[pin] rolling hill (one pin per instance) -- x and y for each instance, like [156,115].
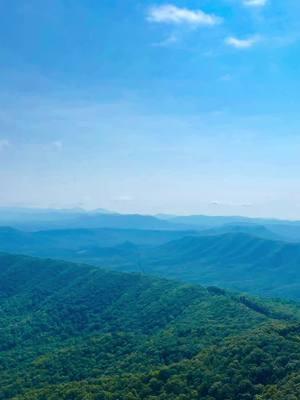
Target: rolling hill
[282,229]
[236,260]
[77,332]
[35,219]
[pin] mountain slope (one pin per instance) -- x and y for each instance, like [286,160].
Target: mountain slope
[259,231]
[262,365]
[75,332]
[283,229]
[54,242]
[236,261]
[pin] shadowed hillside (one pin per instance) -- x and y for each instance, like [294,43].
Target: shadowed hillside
[235,260]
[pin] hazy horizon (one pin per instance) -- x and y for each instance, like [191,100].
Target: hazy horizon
[100,210]
[154,107]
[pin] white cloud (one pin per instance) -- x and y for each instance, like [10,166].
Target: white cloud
[171,14]
[255,3]
[3,144]
[242,43]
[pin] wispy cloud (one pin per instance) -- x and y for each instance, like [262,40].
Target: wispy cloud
[170,14]
[171,39]
[4,143]
[57,145]
[242,43]
[255,3]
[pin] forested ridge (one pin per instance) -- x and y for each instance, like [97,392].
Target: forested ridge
[72,331]
[236,261]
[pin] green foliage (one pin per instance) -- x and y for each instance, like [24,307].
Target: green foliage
[235,260]
[73,332]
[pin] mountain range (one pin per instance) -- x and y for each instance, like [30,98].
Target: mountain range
[77,332]
[35,219]
[32,219]
[164,310]
[233,260]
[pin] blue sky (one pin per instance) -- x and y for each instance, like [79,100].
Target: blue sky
[150,107]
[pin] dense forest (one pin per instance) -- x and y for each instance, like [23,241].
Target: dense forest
[230,259]
[73,332]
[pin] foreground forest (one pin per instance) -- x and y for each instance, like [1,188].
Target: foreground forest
[74,332]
